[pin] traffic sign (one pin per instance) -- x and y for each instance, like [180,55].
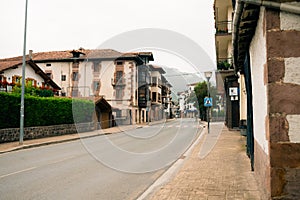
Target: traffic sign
[207,101]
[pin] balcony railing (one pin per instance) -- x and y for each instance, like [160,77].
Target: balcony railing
[156,85]
[118,82]
[224,64]
[223,27]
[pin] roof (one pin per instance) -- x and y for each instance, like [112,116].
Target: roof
[245,29]
[9,64]
[102,103]
[157,68]
[70,55]
[46,78]
[192,84]
[14,64]
[165,81]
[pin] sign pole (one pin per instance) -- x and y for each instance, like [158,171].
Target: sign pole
[208,75]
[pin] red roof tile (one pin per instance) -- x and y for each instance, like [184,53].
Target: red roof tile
[63,55]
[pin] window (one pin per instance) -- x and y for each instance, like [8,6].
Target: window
[75,65]
[75,76]
[154,81]
[118,113]
[119,63]
[159,82]
[49,74]
[96,85]
[30,81]
[74,93]
[63,77]
[154,96]
[18,79]
[48,65]
[142,76]
[97,67]
[119,94]
[119,75]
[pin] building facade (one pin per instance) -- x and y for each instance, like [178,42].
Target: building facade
[119,82]
[11,75]
[226,78]
[107,74]
[157,111]
[266,38]
[186,103]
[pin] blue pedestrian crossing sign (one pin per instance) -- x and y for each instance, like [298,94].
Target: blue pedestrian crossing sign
[207,101]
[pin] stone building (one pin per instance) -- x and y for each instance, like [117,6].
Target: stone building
[266,51]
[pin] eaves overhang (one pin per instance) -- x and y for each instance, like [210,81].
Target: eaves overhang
[245,21]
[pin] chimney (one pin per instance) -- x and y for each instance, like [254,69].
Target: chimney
[30,54]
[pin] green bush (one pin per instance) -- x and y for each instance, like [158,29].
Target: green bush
[43,111]
[224,65]
[33,91]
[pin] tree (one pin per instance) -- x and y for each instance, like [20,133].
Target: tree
[201,91]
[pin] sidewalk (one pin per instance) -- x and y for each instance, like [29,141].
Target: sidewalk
[221,173]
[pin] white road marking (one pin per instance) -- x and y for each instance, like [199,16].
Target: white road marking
[17,172]
[63,159]
[32,168]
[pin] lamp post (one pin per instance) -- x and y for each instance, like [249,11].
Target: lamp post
[208,76]
[23,80]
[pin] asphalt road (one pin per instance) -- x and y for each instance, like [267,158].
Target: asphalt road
[116,166]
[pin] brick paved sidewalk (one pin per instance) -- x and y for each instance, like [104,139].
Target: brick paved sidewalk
[222,173]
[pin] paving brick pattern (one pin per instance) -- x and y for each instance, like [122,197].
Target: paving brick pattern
[225,172]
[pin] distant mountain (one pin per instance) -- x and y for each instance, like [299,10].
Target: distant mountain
[179,80]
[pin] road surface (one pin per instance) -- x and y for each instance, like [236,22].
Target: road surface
[116,166]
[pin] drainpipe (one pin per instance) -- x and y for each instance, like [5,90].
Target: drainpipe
[236,23]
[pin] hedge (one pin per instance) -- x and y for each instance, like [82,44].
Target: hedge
[43,111]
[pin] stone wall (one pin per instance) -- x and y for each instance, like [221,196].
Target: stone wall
[12,134]
[282,123]
[262,168]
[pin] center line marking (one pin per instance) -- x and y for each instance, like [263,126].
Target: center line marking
[31,168]
[17,172]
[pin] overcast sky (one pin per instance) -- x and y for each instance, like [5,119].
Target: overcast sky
[70,24]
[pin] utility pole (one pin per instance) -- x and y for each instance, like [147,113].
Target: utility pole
[23,80]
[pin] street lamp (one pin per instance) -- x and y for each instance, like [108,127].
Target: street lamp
[208,76]
[23,80]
